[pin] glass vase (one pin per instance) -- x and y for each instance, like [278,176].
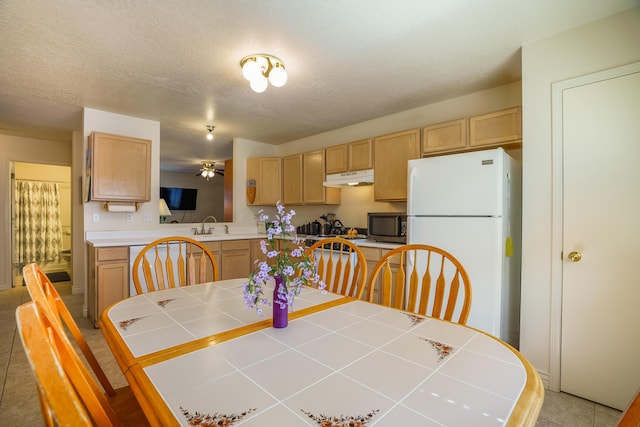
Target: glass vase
[280,312]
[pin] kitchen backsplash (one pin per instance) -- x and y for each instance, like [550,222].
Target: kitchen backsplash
[356,202]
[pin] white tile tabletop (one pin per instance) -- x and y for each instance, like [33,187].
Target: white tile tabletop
[355,361]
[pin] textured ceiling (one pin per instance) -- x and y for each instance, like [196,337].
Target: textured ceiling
[177,62]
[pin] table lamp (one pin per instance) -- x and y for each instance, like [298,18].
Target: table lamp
[164,211]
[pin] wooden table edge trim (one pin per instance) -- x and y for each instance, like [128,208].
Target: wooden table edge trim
[200,343]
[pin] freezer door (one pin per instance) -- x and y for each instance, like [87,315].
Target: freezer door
[478,244]
[467,184]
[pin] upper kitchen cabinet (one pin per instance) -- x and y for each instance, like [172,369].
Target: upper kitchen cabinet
[313,172]
[361,155]
[500,128]
[448,136]
[264,180]
[303,177]
[120,168]
[292,187]
[337,158]
[354,156]
[393,151]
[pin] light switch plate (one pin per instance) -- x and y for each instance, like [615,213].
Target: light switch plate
[147,217]
[129,217]
[96,217]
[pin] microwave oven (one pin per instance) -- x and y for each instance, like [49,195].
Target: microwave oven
[387,226]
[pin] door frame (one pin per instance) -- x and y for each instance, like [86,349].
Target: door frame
[557,211]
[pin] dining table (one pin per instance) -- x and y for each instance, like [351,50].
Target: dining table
[198,356]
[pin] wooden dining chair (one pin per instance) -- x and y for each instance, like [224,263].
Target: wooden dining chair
[341,265]
[44,292]
[69,396]
[177,261]
[631,415]
[433,283]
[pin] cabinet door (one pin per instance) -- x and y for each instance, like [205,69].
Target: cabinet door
[360,155]
[264,180]
[390,163]
[444,137]
[112,284]
[313,172]
[120,168]
[235,259]
[235,264]
[336,158]
[498,128]
[292,180]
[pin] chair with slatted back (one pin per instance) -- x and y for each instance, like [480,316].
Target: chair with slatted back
[432,286]
[44,292]
[171,262]
[631,415]
[341,265]
[68,393]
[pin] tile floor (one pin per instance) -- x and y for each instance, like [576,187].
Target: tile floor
[19,402]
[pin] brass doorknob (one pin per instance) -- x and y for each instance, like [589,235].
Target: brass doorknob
[574,256]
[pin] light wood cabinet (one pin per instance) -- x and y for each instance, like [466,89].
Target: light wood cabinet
[354,156]
[446,136]
[392,152]
[303,177]
[500,128]
[313,177]
[361,155]
[108,279]
[264,180]
[337,158]
[235,259]
[214,247]
[120,168]
[373,255]
[292,185]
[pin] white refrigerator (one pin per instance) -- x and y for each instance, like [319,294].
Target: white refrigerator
[470,205]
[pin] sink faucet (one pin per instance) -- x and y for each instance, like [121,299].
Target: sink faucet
[209,229]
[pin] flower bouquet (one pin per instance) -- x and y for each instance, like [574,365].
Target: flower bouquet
[286,264]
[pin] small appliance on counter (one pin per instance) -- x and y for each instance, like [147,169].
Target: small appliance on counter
[387,226]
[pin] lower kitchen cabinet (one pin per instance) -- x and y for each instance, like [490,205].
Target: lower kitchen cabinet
[108,278]
[373,255]
[235,259]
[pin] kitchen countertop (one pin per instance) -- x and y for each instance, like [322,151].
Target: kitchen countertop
[138,238]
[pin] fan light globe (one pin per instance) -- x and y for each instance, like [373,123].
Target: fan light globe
[210,136]
[278,76]
[204,174]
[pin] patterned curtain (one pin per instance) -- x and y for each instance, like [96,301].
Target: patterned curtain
[38,223]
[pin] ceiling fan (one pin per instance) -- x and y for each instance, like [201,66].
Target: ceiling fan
[208,170]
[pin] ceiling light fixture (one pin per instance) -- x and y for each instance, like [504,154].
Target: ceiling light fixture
[210,134]
[207,171]
[259,67]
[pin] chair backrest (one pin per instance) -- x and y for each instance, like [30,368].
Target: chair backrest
[177,261]
[44,293]
[68,393]
[422,279]
[341,265]
[631,415]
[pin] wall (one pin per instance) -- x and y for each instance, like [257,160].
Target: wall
[102,121]
[357,201]
[210,196]
[598,46]
[21,149]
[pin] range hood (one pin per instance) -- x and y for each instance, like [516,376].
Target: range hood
[363,177]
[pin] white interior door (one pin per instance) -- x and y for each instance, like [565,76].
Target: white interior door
[600,342]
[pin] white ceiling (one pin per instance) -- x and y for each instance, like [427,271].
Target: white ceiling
[177,62]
